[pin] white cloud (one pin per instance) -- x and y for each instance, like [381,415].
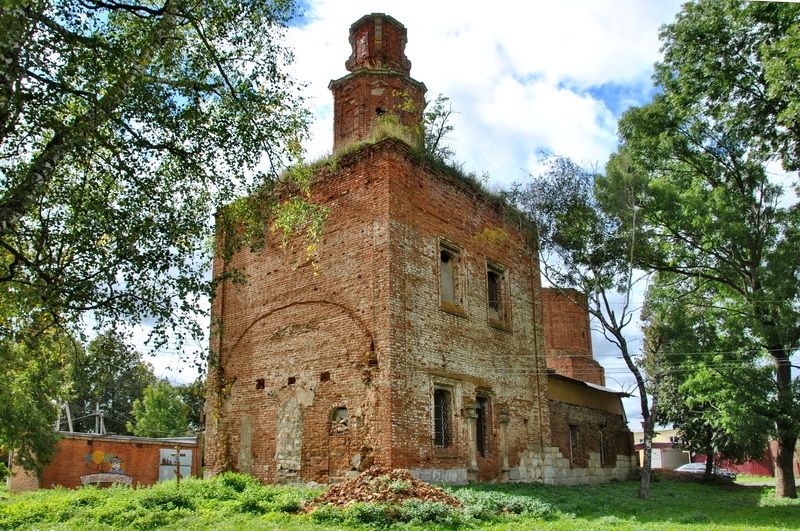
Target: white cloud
[522,76]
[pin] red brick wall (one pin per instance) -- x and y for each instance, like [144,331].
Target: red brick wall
[432,346]
[378,42]
[589,423]
[286,322]
[358,97]
[568,337]
[140,459]
[379,85]
[566,322]
[371,319]
[367,330]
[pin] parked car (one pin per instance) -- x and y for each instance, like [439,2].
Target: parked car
[700,468]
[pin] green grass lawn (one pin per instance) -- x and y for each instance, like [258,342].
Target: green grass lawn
[744,479]
[239,502]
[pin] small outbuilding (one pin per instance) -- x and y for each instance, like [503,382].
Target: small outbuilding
[87,458]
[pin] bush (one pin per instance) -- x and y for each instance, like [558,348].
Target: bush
[385,514]
[166,497]
[328,514]
[236,482]
[374,514]
[487,505]
[421,511]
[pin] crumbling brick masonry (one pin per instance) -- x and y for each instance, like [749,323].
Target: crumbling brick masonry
[419,344]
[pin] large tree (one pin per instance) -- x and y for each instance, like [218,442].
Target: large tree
[33,379]
[160,412]
[698,160]
[580,246]
[124,126]
[714,387]
[111,375]
[194,396]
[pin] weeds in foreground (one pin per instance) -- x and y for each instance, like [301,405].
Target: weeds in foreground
[233,501]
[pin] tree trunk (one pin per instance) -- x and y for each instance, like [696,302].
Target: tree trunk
[709,464]
[786,430]
[648,413]
[709,471]
[647,463]
[785,426]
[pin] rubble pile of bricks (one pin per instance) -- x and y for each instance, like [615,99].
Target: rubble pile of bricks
[383,485]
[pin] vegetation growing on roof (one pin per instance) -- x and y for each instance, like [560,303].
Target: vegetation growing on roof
[389,127]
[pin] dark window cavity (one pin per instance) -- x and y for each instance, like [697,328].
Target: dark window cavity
[442,437]
[339,419]
[497,293]
[573,443]
[481,425]
[603,449]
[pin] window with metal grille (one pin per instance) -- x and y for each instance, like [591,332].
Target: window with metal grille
[442,437]
[495,293]
[481,432]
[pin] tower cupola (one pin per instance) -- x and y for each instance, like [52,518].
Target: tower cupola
[379,86]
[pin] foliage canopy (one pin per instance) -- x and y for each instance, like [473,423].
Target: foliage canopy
[110,374]
[124,127]
[160,412]
[697,162]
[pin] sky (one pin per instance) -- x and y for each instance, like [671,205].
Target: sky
[523,78]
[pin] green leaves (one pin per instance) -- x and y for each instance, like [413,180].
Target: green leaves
[111,374]
[715,383]
[123,129]
[32,381]
[698,157]
[160,413]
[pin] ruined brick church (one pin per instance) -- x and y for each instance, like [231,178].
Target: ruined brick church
[425,340]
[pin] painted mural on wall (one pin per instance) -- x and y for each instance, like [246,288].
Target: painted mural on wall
[106,468]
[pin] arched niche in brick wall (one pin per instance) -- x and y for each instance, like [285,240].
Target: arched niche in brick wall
[292,366]
[298,318]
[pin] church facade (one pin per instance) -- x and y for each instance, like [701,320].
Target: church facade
[418,340]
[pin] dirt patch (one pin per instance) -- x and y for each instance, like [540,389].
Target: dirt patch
[383,485]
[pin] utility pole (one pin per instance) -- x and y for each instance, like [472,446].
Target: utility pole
[62,405]
[99,421]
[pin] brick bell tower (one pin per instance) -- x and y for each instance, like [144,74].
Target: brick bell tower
[378,84]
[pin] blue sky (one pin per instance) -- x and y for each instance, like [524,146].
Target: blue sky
[523,77]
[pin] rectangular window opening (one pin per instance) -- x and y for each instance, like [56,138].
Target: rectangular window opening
[497,298]
[450,282]
[442,433]
[573,443]
[603,449]
[481,425]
